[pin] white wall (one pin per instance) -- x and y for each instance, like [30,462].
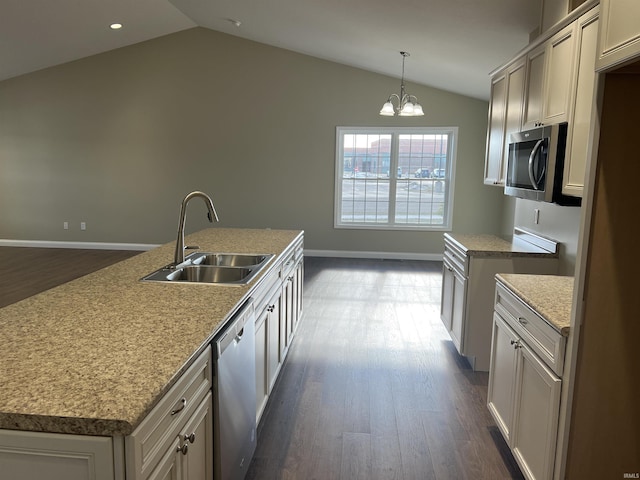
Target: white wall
[558,223]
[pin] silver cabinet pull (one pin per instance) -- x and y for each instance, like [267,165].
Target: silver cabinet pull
[522,320]
[189,438]
[180,407]
[183,449]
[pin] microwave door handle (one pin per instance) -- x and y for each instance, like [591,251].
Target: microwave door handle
[532,176]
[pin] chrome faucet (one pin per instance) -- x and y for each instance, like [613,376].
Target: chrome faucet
[211,214]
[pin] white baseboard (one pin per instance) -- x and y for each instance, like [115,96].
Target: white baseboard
[374,255]
[78,245]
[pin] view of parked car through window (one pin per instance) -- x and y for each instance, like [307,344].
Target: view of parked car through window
[417,196]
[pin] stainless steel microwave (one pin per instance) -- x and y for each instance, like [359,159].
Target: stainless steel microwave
[535,165]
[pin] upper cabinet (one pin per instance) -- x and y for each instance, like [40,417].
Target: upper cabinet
[619,39]
[551,82]
[550,79]
[532,112]
[580,122]
[493,169]
[505,118]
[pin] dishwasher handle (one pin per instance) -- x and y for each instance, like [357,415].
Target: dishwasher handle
[234,331]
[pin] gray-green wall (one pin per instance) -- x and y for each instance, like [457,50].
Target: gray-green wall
[117,139]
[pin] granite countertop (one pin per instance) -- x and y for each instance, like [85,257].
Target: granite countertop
[551,296]
[94,356]
[493,245]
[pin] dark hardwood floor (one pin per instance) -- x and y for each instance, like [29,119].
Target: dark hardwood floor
[25,271]
[373,388]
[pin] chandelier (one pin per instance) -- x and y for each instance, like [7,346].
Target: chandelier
[408,105]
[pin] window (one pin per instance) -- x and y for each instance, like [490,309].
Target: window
[395,178]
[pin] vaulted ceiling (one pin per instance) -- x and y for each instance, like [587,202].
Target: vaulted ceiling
[454,44]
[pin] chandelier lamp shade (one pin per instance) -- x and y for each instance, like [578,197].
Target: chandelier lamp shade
[407,105]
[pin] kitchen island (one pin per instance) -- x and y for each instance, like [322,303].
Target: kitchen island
[94,356]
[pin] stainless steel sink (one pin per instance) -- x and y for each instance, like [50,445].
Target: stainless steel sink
[212,268]
[227,259]
[209,274]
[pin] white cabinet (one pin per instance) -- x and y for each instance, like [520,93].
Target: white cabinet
[558,76]
[268,358]
[453,305]
[524,390]
[535,415]
[292,271]
[552,82]
[502,375]
[578,137]
[467,294]
[505,118]
[275,327]
[188,456]
[262,379]
[550,69]
[532,108]
[36,455]
[279,308]
[619,39]
[176,437]
[493,165]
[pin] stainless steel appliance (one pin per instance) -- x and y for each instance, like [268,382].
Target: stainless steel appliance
[235,396]
[535,165]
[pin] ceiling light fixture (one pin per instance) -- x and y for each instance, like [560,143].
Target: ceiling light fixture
[115,26]
[408,105]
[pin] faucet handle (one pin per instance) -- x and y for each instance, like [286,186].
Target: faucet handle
[192,247]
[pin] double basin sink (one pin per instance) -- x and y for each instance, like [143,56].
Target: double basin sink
[212,268]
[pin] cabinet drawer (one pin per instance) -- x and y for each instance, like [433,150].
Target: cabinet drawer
[541,337]
[456,258]
[146,445]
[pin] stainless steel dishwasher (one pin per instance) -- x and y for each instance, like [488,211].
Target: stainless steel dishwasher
[234,389]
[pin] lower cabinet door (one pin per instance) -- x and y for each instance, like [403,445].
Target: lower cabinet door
[502,375]
[275,338]
[196,443]
[537,405]
[459,311]
[262,378]
[446,307]
[168,468]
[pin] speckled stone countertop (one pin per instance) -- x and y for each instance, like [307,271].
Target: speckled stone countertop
[551,296]
[494,246]
[94,356]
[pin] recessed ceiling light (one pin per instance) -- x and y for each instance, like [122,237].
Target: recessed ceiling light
[115,26]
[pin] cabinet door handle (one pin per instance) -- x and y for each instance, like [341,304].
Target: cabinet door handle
[522,320]
[180,407]
[189,438]
[183,449]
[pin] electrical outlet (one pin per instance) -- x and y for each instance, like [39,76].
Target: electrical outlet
[83,226]
[65,225]
[536,216]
